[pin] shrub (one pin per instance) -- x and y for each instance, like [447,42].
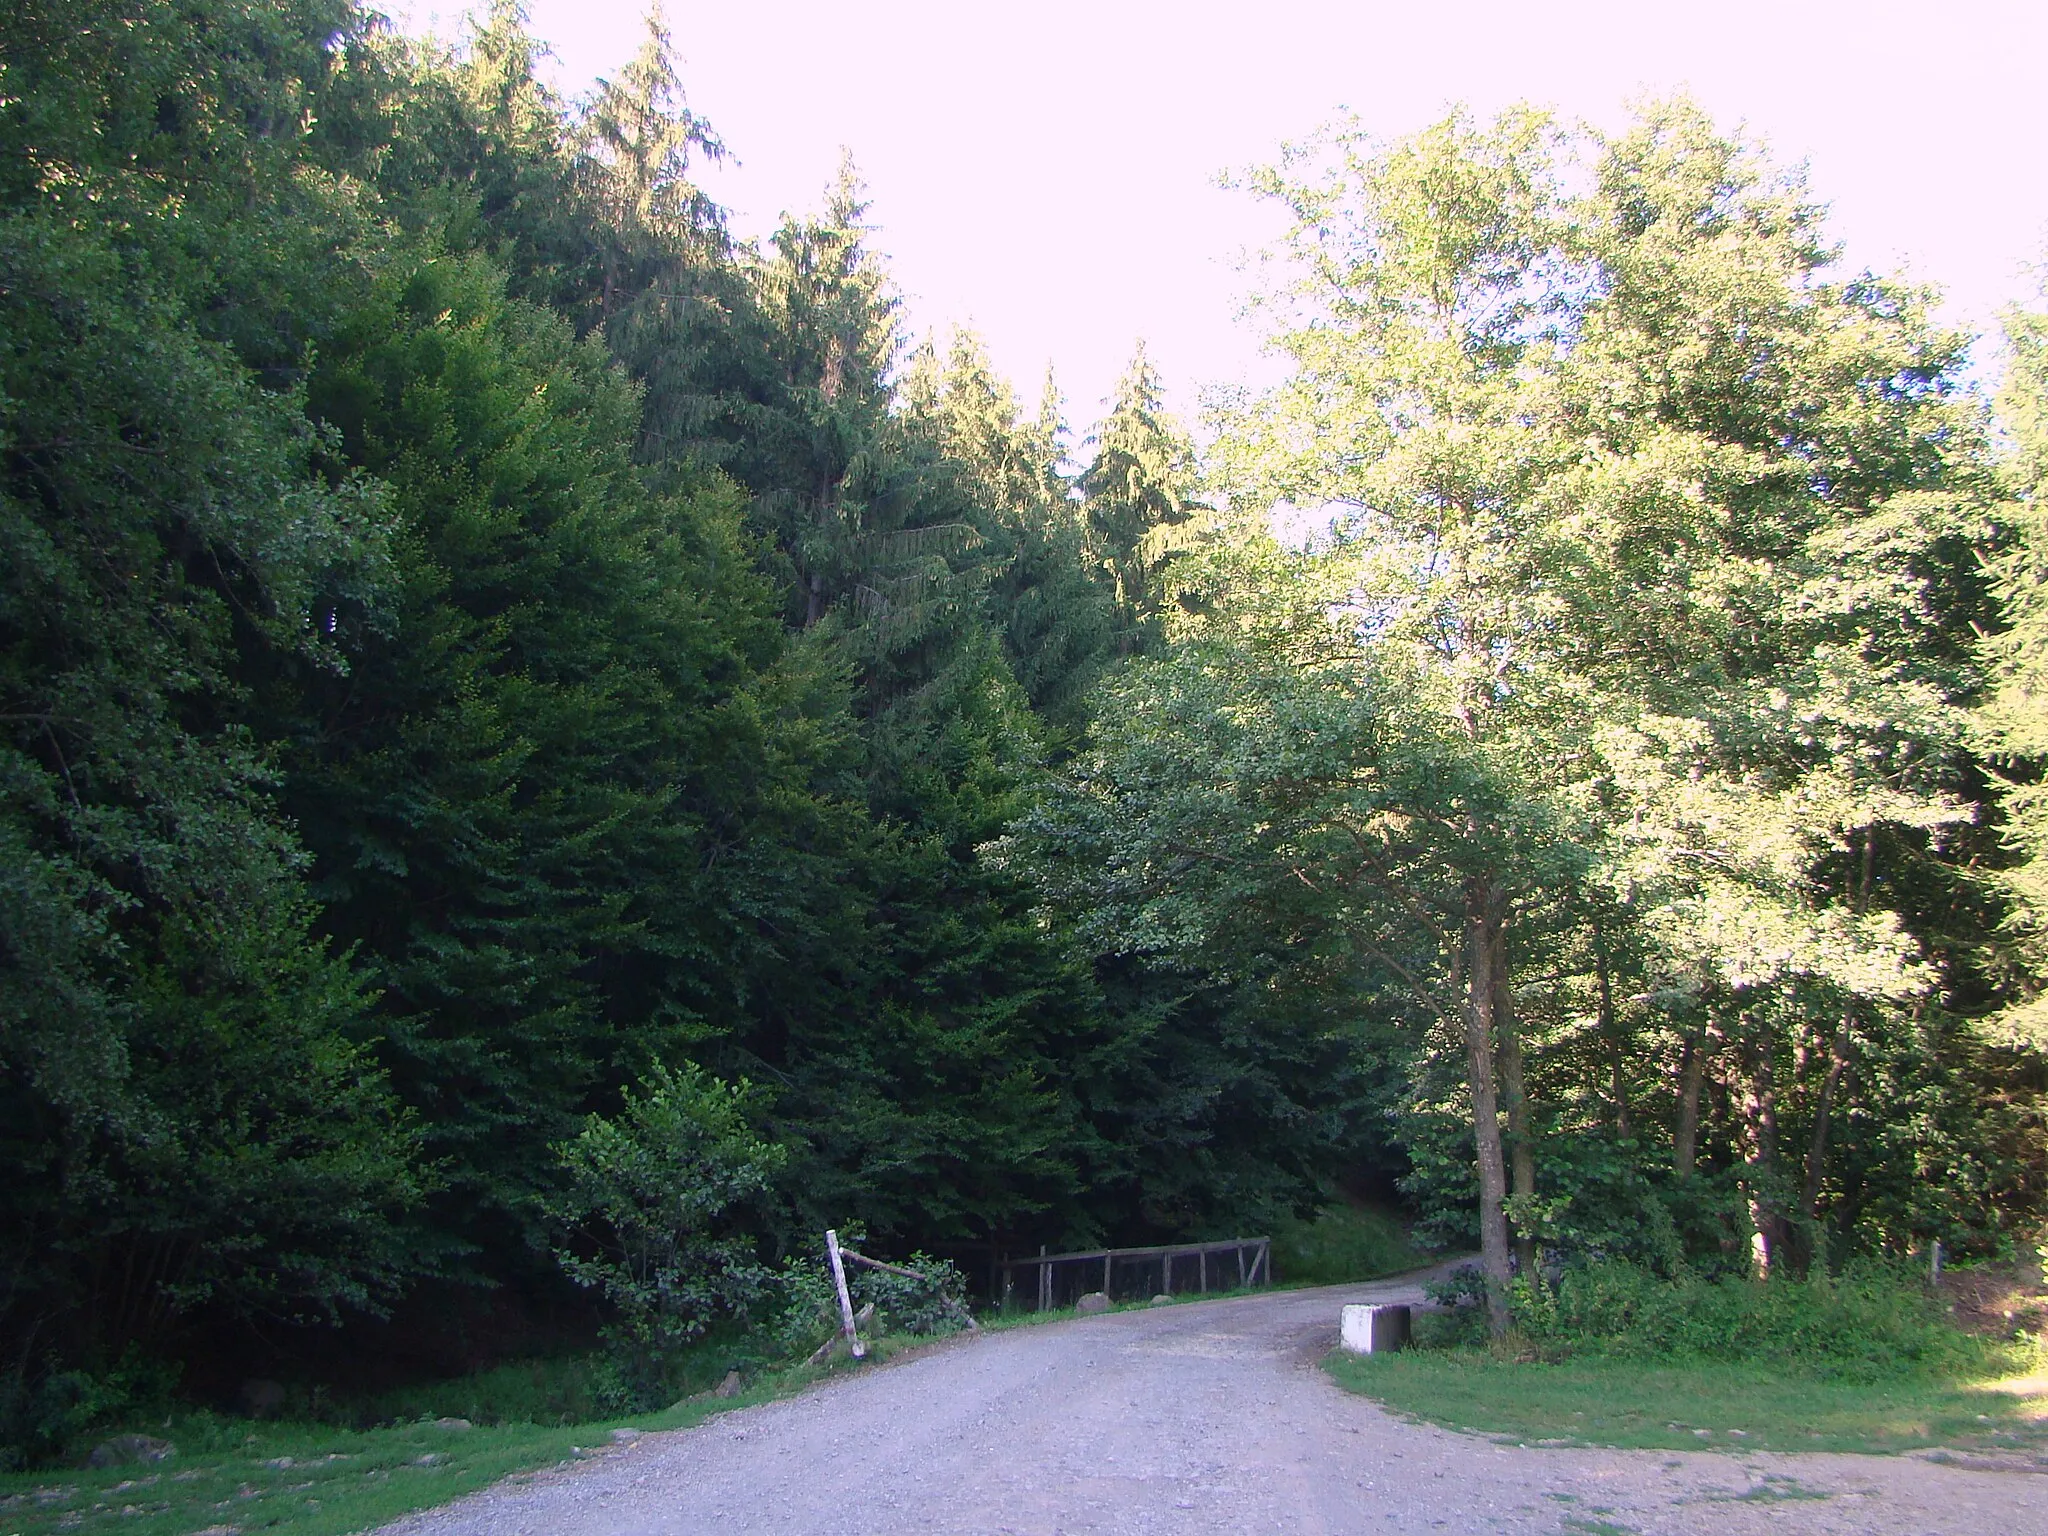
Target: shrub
[934,1305]
[1865,1323]
[647,1194]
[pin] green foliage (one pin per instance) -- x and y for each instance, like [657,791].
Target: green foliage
[933,1306]
[649,1201]
[474,639]
[560,708]
[1341,1243]
[189,1117]
[1137,499]
[1616,718]
[2011,719]
[1866,1324]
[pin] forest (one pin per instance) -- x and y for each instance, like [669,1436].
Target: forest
[549,753]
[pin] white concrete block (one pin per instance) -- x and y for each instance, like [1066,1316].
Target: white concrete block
[1374,1330]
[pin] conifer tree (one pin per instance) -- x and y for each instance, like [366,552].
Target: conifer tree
[1137,496]
[1055,622]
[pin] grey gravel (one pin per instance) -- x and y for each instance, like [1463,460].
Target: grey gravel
[1207,1416]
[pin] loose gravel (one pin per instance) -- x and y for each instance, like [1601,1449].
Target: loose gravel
[1207,1416]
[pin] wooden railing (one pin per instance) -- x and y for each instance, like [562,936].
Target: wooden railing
[1060,1277]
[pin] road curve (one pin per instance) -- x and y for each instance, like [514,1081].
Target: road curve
[1208,1416]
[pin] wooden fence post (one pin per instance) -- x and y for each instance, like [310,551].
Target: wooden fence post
[845,1301]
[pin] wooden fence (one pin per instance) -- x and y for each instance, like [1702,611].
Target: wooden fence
[1057,1279]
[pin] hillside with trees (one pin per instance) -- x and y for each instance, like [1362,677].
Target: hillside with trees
[532,727]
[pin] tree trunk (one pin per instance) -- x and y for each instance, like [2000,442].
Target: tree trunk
[1758,1108]
[1692,1076]
[1482,923]
[1521,1147]
[1610,1030]
[1817,1147]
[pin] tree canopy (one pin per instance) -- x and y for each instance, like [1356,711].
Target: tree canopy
[548,752]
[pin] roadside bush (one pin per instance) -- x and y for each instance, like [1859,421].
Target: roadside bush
[45,1416]
[647,1211]
[934,1306]
[1865,1323]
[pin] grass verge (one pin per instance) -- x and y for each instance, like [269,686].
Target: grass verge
[285,1479]
[1747,1405]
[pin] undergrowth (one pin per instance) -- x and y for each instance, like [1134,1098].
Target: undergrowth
[1343,1243]
[1612,1354]
[1867,1323]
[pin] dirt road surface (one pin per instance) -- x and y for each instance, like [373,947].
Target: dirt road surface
[1202,1417]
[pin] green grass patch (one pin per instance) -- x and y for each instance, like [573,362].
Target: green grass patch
[309,1479]
[1694,1405]
[1343,1243]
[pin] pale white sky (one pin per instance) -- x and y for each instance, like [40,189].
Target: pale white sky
[1046,172]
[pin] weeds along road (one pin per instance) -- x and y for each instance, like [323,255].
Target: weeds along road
[1208,1416]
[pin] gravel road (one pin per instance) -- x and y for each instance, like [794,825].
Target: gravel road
[1207,1416]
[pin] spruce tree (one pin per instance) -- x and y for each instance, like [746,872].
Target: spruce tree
[1137,496]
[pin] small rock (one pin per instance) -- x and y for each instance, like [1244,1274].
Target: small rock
[262,1399]
[431,1459]
[219,1530]
[280,1463]
[730,1387]
[1740,1434]
[1162,1301]
[126,1448]
[453,1424]
[1094,1301]
[625,1436]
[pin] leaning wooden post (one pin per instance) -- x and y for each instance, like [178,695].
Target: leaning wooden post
[845,1301]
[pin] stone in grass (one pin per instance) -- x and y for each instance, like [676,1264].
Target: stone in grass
[123,1449]
[1094,1301]
[730,1387]
[1162,1301]
[453,1424]
[625,1436]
